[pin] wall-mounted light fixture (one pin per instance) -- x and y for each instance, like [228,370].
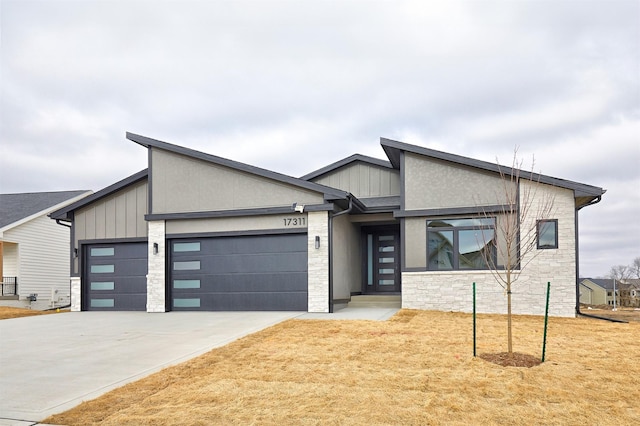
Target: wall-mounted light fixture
[317,242]
[75,252]
[155,248]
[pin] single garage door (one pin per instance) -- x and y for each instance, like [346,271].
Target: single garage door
[115,277]
[242,273]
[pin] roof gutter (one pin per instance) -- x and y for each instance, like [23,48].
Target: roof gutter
[59,222]
[578,312]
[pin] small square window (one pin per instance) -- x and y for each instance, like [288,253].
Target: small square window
[548,234]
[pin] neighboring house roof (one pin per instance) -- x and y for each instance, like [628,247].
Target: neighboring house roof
[17,208]
[64,213]
[607,283]
[355,158]
[330,193]
[393,149]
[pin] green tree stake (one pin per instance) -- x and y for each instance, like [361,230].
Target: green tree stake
[546,321]
[474,320]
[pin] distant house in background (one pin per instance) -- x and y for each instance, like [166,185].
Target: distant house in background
[34,250]
[600,291]
[631,293]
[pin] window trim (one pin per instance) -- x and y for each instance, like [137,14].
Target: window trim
[541,222]
[456,240]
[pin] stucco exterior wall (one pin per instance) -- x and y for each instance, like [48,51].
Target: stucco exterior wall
[436,184]
[232,224]
[347,267]
[318,262]
[184,184]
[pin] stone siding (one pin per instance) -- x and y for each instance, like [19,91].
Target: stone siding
[156,268]
[76,294]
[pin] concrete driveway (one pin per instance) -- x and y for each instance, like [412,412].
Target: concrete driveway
[51,363]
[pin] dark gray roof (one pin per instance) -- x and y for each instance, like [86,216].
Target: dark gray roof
[15,207]
[64,213]
[606,283]
[352,159]
[329,193]
[394,148]
[374,204]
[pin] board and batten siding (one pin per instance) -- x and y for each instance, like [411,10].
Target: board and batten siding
[41,259]
[363,180]
[120,215]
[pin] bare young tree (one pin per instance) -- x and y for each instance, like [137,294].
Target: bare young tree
[635,268]
[513,246]
[621,294]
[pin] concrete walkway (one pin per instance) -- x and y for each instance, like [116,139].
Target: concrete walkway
[51,363]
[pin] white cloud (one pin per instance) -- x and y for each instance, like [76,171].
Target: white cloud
[293,86]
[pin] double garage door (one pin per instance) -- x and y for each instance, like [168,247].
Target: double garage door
[241,273]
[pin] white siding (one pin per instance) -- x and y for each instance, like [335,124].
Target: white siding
[43,260]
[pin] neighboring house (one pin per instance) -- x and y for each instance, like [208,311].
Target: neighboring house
[600,291]
[596,291]
[34,251]
[199,232]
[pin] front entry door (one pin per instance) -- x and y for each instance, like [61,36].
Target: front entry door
[382,272]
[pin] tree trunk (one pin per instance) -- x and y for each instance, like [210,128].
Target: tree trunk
[509,338]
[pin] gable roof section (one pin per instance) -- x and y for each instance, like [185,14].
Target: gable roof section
[329,193]
[394,148]
[17,208]
[355,158]
[65,212]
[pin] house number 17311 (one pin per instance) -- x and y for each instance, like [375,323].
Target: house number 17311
[294,221]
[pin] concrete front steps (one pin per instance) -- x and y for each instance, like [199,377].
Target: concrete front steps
[375,301]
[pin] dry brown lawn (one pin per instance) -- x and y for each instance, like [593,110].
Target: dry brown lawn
[415,369]
[8,313]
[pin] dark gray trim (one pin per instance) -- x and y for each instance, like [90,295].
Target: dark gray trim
[72,244]
[346,161]
[63,213]
[393,149]
[236,212]
[538,222]
[238,233]
[497,208]
[403,191]
[114,241]
[403,260]
[319,207]
[329,193]
[381,204]
[150,182]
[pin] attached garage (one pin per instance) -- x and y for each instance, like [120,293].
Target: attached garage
[115,277]
[239,273]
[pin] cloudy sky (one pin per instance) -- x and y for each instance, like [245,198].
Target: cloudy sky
[292,86]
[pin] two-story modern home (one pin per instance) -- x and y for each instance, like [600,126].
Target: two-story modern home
[194,231]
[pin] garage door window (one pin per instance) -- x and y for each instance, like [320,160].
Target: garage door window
[105,285]
[102,269]
[186,283]
[102,251]
[192,265]
[102,303]
[186,303]
[182,247]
